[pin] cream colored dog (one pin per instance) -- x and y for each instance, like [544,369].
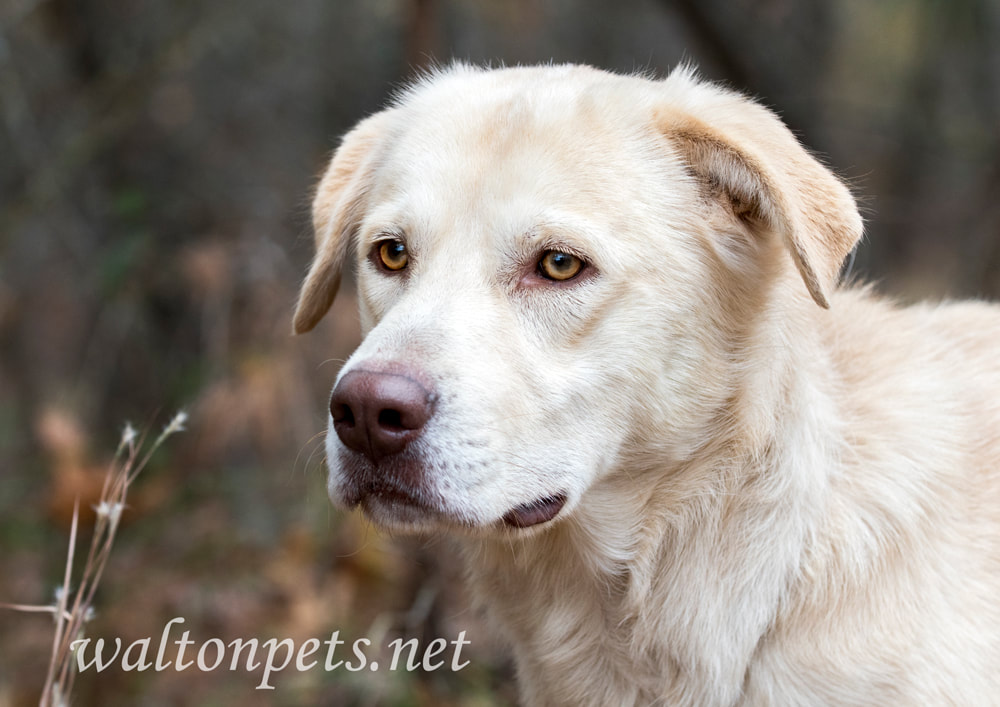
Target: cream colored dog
[605,349]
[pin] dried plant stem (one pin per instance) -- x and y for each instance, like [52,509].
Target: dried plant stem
[70,617]
[61,621]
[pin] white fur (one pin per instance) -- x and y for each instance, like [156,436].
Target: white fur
[769,502]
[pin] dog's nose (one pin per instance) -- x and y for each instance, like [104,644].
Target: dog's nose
[379,413]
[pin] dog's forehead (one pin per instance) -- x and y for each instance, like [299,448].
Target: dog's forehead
[508,147]
[484,117]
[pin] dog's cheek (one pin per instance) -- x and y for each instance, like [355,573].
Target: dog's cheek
[369,316]
[376,296]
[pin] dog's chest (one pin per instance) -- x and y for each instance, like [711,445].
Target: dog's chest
[569,642]
[575,639]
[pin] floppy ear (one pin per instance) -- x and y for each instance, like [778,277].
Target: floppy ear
[336,210]
[744,152]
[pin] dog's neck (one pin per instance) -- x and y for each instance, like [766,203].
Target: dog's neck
[718,535]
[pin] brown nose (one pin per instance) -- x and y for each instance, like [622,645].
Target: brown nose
[379,413]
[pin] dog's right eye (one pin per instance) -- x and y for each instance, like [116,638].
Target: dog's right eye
[392,255]
[559,266]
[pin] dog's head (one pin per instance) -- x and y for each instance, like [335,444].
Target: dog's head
[557,268]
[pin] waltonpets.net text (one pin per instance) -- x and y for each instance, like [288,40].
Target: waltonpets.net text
[242,654]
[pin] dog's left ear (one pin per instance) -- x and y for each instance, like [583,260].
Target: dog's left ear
[336,210]
[743,152]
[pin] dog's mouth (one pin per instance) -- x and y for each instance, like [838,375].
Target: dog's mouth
[395,498]
[536,512]
[390,496]
[402,504]
[390,506]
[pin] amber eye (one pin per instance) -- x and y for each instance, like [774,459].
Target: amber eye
[393,255]
[556,265]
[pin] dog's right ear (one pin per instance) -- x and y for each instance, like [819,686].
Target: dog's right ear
[336,210]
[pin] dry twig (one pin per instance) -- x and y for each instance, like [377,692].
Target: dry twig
[72,610]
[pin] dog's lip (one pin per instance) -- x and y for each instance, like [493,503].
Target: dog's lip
[390,495]
[536,512]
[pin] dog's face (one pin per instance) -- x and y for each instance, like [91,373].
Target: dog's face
[554,266]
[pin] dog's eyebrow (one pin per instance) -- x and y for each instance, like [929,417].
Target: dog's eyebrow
[556,227]
[579,239]
[367,236]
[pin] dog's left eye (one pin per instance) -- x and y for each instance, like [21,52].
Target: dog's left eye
[392,255]
[559,266]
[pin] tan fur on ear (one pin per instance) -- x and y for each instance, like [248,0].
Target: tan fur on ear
[335,211]
[745,151]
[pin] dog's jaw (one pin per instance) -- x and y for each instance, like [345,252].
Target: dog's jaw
[400,495]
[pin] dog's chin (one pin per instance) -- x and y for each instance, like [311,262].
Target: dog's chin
[400,510]
[400,515]
[399,498]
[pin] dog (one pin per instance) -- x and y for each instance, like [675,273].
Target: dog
[606,349]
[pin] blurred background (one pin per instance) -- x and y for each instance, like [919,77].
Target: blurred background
[156,163]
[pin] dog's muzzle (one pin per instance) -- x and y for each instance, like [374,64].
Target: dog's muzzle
[378,412]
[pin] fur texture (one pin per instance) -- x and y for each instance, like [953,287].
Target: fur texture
[777,491]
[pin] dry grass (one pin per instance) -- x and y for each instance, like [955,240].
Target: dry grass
[73,609]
